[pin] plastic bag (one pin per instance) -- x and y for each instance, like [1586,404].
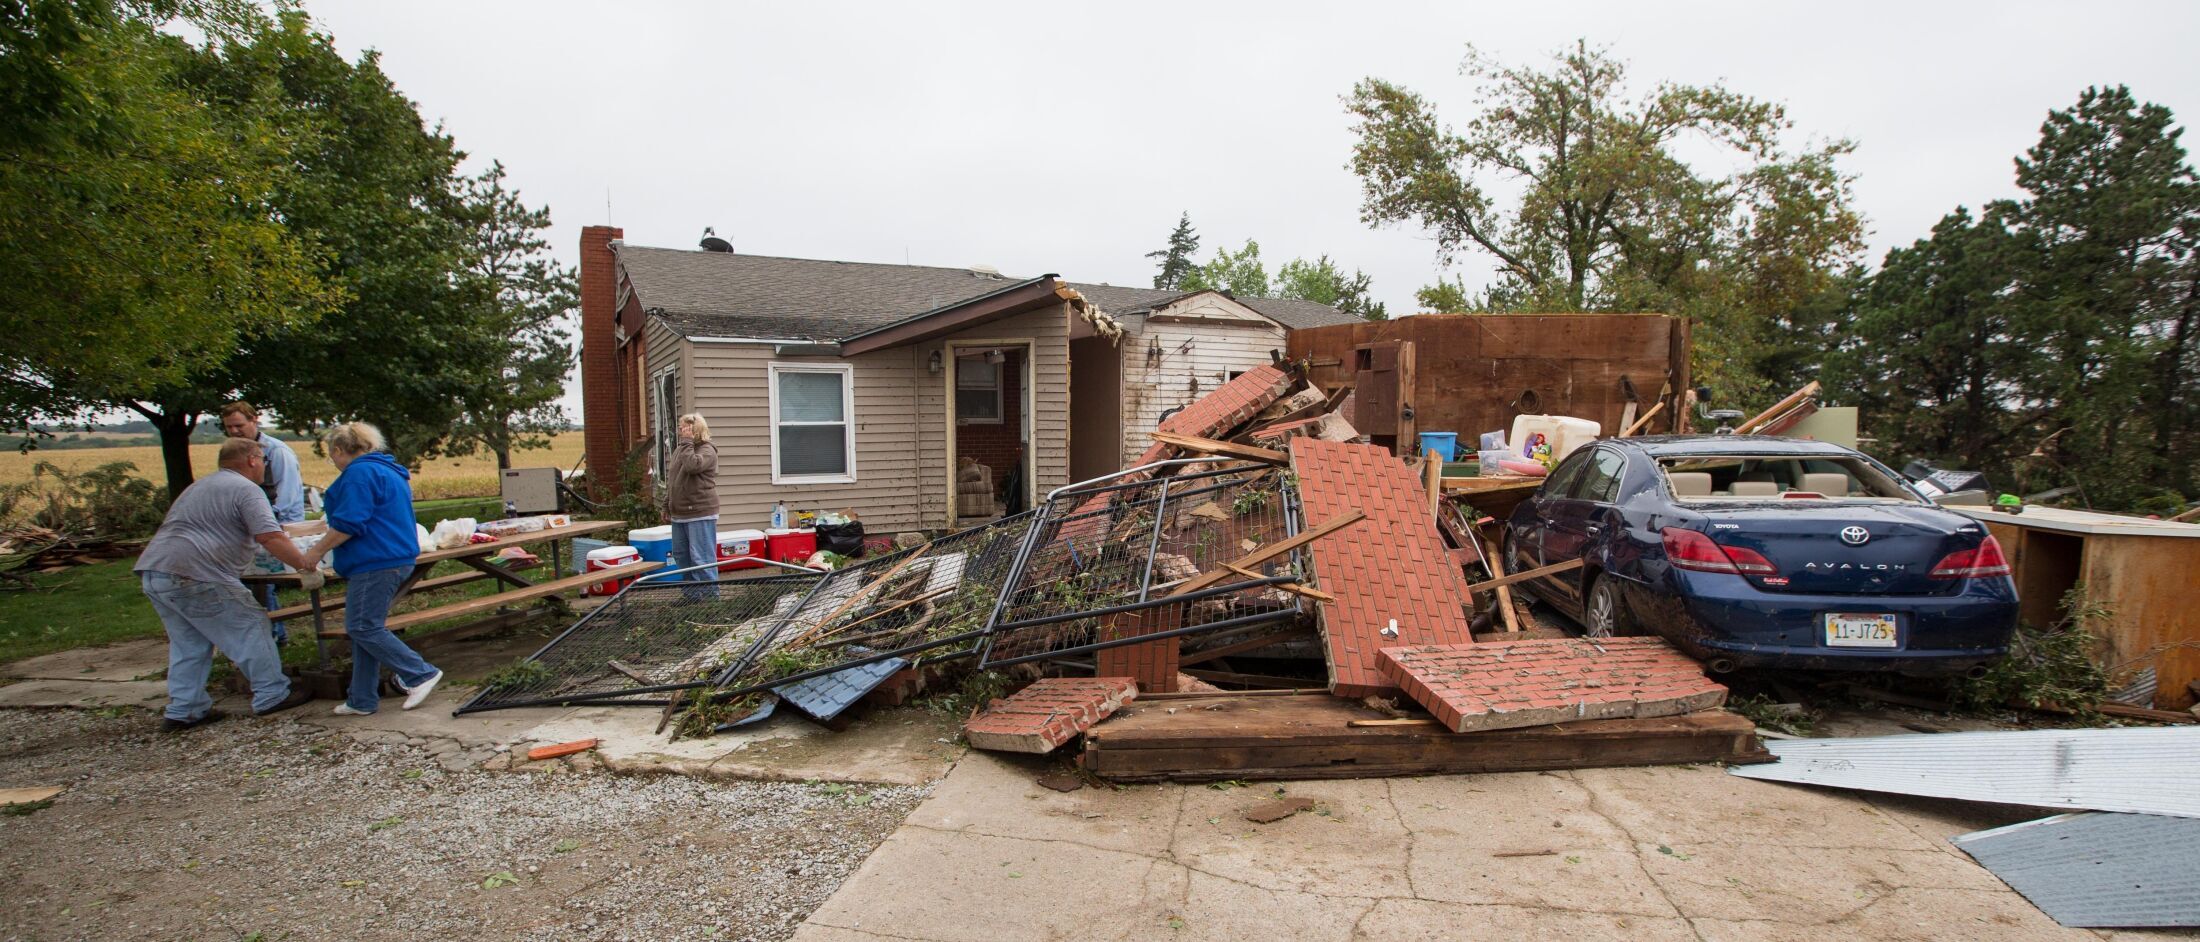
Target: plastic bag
[452,534]
[843,538]
[427,542]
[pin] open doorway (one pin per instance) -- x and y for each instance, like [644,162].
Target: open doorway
[1095,408]
[992,430]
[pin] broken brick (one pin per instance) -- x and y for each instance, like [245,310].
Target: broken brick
[1509,684]
[1040,718]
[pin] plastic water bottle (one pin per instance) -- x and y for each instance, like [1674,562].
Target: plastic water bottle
[779,515]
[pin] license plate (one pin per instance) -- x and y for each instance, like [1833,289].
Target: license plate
[1860,631]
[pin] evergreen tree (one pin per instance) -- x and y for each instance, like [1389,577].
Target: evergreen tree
[1176,259]
[526,297]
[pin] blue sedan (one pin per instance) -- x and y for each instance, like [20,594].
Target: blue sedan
[1752,551]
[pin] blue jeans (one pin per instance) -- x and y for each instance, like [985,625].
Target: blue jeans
[694,544]
[270,601]
[367,599]
[201,618]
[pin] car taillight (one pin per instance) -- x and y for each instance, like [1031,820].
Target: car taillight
[1689,549]
[1980,562]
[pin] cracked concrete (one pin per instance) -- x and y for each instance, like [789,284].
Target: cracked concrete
[1685,853]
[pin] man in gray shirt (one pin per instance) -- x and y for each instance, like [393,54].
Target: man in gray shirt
[189,571]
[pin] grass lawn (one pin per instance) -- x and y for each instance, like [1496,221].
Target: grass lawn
[101,604]
[82,606]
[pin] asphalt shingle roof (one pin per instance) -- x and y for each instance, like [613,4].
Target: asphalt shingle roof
[720,294]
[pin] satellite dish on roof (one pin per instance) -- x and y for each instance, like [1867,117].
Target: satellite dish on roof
[712,243]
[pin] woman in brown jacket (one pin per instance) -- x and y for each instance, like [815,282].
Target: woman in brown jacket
[691,504]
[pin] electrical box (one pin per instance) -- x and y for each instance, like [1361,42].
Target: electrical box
[531,491]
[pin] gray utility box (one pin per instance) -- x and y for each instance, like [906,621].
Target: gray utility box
[531,491]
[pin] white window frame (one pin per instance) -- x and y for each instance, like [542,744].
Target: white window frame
[664,427]
[847,414]
[1000,405]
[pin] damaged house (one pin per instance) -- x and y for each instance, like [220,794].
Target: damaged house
[919,398]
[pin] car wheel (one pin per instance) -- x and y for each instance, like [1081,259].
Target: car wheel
[1606,614]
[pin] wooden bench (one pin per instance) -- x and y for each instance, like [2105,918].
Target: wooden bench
[486,603]
[332,604]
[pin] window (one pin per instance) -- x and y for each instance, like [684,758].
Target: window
[1600,480]
[813,428]
[1560,482]
[666,418]
[977,391]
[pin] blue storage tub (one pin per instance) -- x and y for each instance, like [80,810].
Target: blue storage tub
[1445,444]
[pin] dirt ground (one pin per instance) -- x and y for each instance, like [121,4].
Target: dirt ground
[266,829]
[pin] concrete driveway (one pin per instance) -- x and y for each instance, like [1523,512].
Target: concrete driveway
[1638,854]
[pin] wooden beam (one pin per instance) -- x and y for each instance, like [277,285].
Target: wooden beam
[1432,472]
[1210,446]
[1294,588]
[487,602]
[858,595]
[1503,581]
[335,603]
[1793,399]
[2193,514]
[1640,423]
[1497,575]
[1215,576]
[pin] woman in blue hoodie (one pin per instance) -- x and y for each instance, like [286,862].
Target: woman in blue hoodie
[370,530]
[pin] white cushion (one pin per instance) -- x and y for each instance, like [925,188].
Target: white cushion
[1691,483]
[1755,489]
[1829,483]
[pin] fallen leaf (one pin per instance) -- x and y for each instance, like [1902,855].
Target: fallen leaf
[566,846]
[501,878]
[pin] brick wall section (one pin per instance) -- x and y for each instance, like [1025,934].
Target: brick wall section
[603,397]
[1508,684]
[1392,565]
[1050,712]
[1231,403]
[1152,664]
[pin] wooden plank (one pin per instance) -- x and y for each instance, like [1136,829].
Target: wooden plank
[1210,446]
[1250,680]
[1294,737]
[335,603]
[860,594]
[1496,562]
[1214,577]
[577,528]
[1292,587]
[487,603]
[1639,424]
[1793,399]
[1432,472]
[1538,573]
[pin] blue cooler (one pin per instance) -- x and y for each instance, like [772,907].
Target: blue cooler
[654,543]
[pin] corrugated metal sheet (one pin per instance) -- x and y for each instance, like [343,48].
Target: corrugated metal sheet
[2098,871]
[2147,771]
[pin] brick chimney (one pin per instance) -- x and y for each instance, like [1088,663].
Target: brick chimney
[603,396]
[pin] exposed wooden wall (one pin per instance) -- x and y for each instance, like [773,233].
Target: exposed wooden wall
[2145,583]
[1473,369]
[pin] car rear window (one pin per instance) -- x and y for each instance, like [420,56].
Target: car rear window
[1780,477]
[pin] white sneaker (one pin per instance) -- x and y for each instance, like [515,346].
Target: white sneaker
[414,696]
[344,709]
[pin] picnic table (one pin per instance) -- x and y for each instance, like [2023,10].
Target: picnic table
[478,557]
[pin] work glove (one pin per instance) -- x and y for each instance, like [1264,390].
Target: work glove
[311,580]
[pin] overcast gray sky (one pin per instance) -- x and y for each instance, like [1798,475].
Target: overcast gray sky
[1048,138]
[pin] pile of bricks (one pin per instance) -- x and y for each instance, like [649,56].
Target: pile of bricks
[1050,712]
[1508,684]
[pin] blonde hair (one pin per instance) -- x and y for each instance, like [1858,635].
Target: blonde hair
[235,450]
[240,407]
[353,438]
[702,428]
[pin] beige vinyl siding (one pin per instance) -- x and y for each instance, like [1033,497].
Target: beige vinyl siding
[662,347]
[900,419]
[1218,348]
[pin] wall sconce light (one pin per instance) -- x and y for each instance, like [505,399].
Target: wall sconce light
[995,357]
[934,363]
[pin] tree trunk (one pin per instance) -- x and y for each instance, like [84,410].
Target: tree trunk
[504,458]
[175,447]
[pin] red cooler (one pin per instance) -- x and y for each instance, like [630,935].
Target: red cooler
[607,558]
[792,546]
[736,544]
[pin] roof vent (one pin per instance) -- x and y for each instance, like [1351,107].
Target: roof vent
[985,271]
[712,243]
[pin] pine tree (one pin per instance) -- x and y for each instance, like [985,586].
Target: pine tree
[1176,259]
